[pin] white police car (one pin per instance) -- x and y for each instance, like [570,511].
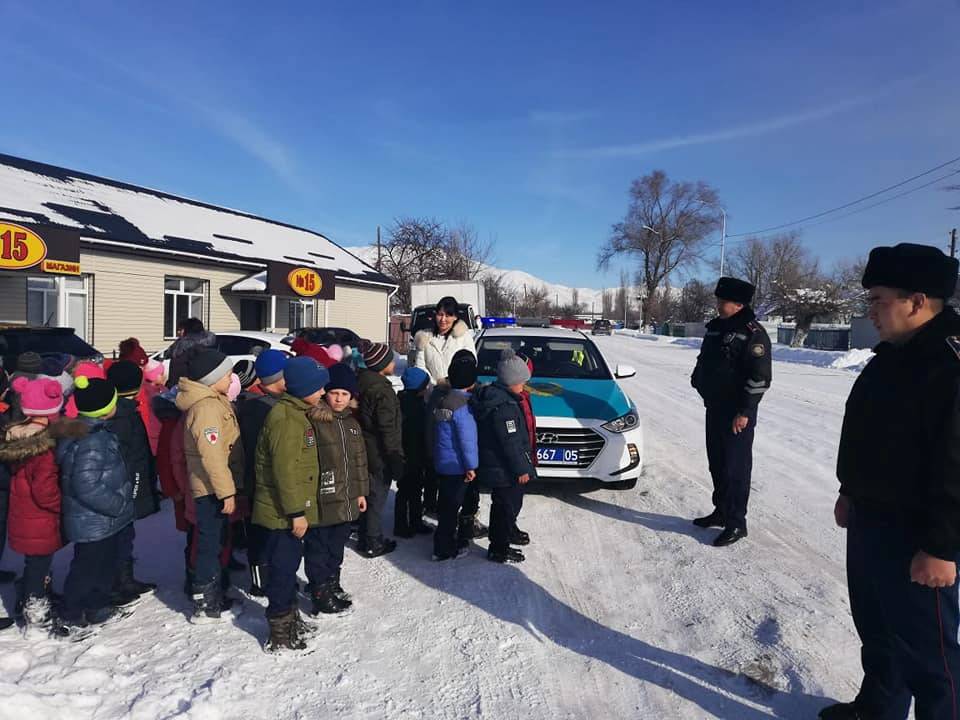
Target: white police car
[587,428]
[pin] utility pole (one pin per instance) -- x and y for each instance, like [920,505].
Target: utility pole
[953,243]
[378,250]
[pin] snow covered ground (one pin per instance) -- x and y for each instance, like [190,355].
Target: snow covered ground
[854,359]
[622,610]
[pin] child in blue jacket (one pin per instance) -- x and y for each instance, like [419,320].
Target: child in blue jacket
[455,453]
[97,504]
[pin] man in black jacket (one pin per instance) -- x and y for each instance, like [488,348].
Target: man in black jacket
[733,371]
[899,472]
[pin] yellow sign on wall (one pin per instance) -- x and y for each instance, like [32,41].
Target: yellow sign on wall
[305,282]
[61,267]
[20,248]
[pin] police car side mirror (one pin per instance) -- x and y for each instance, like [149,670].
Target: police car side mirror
[624,371]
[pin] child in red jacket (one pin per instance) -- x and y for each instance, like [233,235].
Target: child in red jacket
[34,527]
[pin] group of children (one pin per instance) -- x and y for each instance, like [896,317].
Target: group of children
[286,456]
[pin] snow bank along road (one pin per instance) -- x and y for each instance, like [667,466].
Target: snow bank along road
[622,610]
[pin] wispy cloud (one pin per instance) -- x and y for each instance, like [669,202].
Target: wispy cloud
[762,127]
[253,139]
[559,117]
[160,91]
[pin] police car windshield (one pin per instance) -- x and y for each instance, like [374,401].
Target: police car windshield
[565,358]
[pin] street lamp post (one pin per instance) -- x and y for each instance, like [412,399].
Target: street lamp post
[723,236]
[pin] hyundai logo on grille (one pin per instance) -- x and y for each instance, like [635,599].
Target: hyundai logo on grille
[547,438]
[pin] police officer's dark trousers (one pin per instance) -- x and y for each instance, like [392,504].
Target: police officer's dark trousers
[731,462]
[908,631]
[283,552]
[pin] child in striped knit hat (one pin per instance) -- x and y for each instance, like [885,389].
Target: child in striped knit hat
[379,417]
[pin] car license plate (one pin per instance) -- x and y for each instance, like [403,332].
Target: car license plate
[558,456]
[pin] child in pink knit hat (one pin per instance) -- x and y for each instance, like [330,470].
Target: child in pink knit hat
[154,383]
[34,528]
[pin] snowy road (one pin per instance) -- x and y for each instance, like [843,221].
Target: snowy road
[623,609]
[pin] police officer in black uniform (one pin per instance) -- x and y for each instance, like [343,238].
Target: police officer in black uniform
[733,371]
[899,472]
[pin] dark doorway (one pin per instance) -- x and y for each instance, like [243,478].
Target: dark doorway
[252,314]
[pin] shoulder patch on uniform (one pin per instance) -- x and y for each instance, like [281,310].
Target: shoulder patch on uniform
[212,434]
[758,350]
[309,439]
[954,342]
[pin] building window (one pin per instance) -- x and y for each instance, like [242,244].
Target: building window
[301,314]
[182,298]
[60,301]
[42,301]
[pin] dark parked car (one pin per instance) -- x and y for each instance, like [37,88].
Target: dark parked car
[602,327]
[324,336]
[16,339]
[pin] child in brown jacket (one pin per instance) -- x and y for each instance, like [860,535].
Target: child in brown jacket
[214,463]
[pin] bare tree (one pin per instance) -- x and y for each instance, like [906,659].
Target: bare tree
[535,302]
[849,274]
[464,254]
[501,298]
[833,296]
[696,303]
[425,249]
[606,304]
[771,263]
[411,253]
[664,229]
[575,301]
[620,300]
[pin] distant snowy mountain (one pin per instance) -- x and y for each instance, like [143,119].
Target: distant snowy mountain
[518,279]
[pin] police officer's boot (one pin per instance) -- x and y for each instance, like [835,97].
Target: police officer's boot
[729,536]
[714,519]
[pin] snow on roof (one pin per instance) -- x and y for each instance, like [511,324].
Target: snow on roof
[107,209]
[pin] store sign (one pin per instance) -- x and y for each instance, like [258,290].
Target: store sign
[39,248]
[60,267]
[20,248]
[305,282]
[288,280]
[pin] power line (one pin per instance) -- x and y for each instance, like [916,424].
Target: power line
[889,199]
[741,238]
[855,202]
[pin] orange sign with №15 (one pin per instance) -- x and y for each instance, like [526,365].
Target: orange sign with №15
[20,248]
[305,282]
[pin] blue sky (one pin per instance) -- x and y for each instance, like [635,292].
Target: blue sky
[527,120]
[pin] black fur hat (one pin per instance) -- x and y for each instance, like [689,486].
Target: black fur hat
[738,291]
[917,268]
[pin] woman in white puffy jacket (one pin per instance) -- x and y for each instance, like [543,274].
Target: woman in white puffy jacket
[434,349]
